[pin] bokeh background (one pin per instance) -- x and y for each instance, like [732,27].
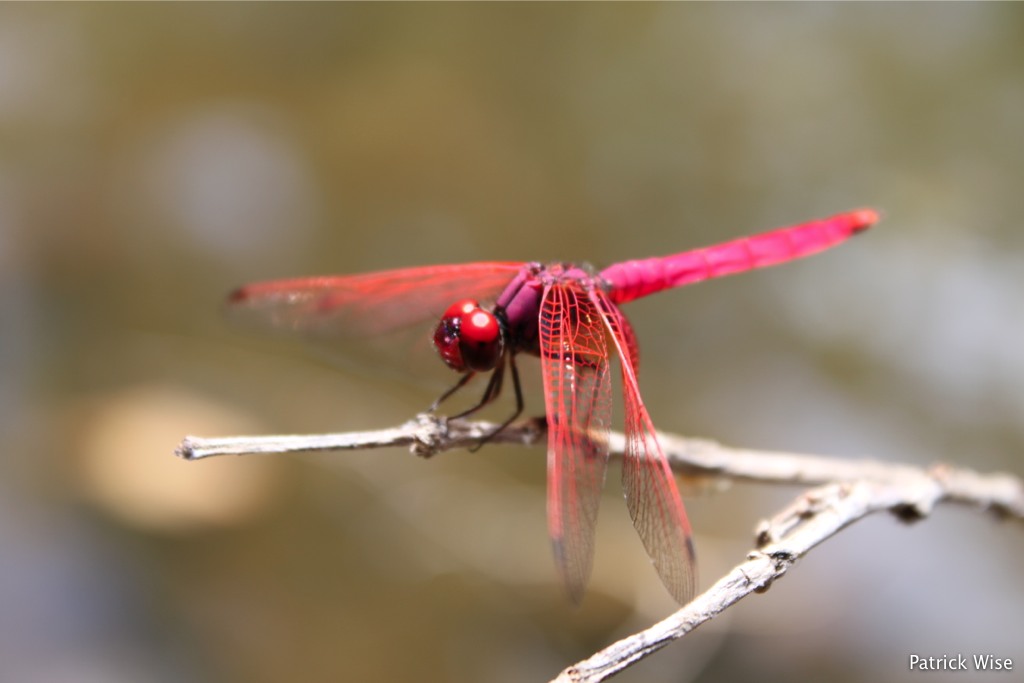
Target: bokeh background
[153,157]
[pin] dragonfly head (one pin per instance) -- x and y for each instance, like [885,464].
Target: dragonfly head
[469,337]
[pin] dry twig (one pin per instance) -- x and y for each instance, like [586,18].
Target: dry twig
[846,491]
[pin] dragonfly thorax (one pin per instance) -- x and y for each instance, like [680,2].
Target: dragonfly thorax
[469,337]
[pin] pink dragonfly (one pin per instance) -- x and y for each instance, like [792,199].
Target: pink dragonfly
[569,317]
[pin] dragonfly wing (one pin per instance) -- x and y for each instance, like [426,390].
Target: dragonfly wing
[577,393]
[339,307]
[650,487]
[375,325]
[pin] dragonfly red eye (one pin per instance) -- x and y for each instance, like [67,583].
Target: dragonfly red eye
[480,340]
[469,337]
[457,309]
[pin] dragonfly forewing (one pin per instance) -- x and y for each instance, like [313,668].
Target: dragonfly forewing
[577,395]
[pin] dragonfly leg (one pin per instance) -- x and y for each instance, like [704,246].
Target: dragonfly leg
[458,385]
[517,387]
[490,393]
[493,390]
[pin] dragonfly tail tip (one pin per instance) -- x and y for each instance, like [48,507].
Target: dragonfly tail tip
[863,219]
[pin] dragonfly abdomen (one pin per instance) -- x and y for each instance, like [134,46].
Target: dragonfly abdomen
[635,279]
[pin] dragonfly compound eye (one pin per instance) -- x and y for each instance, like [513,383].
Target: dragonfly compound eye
[459,336]
[480,340]
[446,341]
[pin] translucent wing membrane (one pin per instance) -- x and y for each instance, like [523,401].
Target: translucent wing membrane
[649,484]
[338,307]
[577,396]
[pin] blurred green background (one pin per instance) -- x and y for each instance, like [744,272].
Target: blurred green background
[153,157]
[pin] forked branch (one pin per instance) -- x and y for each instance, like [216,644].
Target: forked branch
[845,492]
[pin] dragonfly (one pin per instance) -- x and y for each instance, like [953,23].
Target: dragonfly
[484,314]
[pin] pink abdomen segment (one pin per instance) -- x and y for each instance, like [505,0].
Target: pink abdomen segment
[634,279]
